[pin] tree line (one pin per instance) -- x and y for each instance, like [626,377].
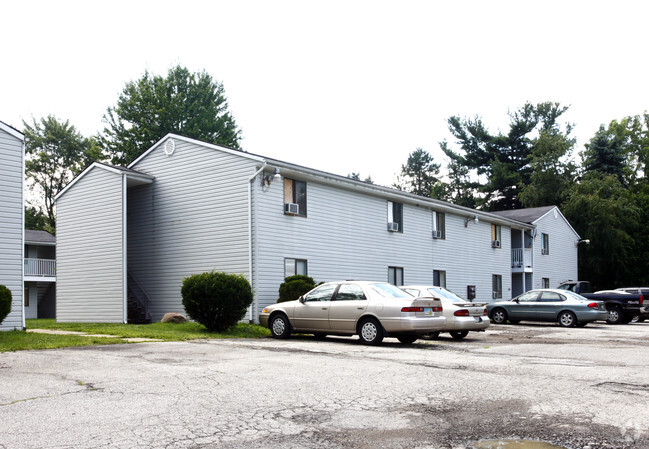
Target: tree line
[603,190]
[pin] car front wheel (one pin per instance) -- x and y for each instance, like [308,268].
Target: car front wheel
[280,327]
[459,335]
[370,331]
[407,339]
[567,319]
[499,316]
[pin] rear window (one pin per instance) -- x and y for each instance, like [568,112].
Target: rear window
[446,294]
[390,291]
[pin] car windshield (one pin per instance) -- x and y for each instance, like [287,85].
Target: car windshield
[446,294]
[390,291]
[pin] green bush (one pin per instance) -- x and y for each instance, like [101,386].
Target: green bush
[216,300]
[5,302]
[295,286]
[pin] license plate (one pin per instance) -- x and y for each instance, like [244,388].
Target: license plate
[428,310]
[478,319]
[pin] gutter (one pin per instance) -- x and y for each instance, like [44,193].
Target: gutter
[254,306]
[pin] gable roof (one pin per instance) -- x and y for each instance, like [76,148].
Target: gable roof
[11,130]
[526,215]
[131,174]
[42,237]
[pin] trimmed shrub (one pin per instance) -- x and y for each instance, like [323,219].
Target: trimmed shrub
[216,300]
[295,286]
[5,302]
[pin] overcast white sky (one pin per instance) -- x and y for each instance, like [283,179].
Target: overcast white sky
[341,86]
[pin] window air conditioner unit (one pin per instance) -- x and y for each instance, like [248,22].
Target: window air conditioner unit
[393,227]
[495,243]
[437,234]
[494,295]
[291,208]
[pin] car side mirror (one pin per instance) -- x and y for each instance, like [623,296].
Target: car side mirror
[516,301]
[301,299]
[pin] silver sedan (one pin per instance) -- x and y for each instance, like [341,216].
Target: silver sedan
[563,306]
[461,315]
[372,310]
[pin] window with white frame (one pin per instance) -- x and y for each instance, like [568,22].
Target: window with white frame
[496,286]
[295,266]
[439,278]
[545,244]
[439,225]
[395,275]
[395,216]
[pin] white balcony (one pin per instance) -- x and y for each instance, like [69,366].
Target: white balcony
[40,270]
[522,260]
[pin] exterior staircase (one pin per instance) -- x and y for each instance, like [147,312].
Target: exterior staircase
[138,303]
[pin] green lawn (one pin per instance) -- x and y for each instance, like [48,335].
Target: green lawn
[18,340]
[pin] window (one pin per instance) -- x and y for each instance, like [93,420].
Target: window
[395,217]
[26,293]
[322,293]
[528,297]
[545,283]
[545,244]
[439,278]
[439,225]
[551,297]
[395,275]
[349,292]
[294,194]
[295,266]
[496,236]
[496,286]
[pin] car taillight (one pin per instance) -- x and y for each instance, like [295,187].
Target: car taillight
[593,305]
[412,309]
[485,312]
[420,309]
[461,312]
[641,299]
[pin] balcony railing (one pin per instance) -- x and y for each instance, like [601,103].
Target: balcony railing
[40,267]
[521,258]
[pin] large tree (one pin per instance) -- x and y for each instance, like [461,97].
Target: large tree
[55,153]
[189,104]
[419,174]
[602,210]
[503,162]
[607,152]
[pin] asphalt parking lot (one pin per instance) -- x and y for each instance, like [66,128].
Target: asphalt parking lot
[579,388]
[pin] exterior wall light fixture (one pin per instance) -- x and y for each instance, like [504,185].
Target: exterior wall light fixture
[268,179]
[468,219]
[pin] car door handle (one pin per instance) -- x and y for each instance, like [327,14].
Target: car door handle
[325,308]
[360,307]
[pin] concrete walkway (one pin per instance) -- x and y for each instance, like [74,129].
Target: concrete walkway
[83,334]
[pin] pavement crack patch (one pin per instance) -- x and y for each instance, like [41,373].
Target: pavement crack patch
[622,387]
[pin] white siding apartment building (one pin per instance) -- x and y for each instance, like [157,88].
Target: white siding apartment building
[126,237]
[12,172]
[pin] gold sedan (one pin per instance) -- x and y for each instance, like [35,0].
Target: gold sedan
[373,310]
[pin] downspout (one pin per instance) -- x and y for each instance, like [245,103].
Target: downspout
[124,254]
[255,306]
[22,246]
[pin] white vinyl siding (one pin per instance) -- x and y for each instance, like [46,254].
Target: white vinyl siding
[11,226]
[561,262]
[89,250]
[193,218]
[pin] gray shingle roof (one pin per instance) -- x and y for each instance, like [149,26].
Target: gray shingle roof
[525,215]
[39,237]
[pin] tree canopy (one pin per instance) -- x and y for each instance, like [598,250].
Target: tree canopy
[189,104]
[55,153]
[419,174]
[503,163]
